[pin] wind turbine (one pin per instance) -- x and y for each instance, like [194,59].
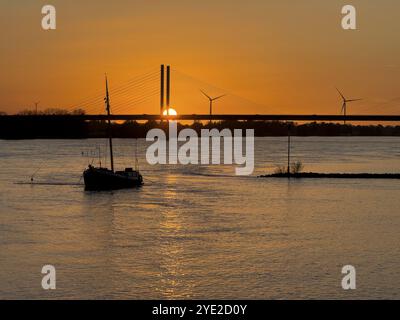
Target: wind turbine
[36,107]
[344,105]
[212,100]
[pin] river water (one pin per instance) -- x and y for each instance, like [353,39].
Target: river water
[200,231]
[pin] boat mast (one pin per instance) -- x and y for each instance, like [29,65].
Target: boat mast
[107,99]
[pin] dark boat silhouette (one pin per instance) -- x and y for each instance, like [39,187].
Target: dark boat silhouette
[105,179]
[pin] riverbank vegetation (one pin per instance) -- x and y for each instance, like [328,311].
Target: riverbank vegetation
[31,128]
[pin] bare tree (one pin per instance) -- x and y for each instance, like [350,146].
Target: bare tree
[296,167]
[78,112]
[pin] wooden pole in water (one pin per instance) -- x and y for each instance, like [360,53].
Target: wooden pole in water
[288,153]
[107,99]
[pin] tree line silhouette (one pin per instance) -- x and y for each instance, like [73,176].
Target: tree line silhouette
[40,128]
[31,128]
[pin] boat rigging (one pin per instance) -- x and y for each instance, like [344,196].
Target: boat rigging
[105,179]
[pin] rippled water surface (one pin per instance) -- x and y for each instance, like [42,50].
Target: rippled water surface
[201,231]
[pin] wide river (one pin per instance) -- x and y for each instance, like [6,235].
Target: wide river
[200,231]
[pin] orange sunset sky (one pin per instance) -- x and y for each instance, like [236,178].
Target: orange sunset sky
[270,56]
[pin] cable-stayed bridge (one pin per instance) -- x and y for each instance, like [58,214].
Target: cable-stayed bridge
[153,89]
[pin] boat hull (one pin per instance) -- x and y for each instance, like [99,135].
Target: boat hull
[97,179]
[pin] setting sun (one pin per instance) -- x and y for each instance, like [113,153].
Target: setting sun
[170,112]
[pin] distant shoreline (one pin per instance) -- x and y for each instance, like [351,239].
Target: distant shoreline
[123,138]
[314,175]
[79,129]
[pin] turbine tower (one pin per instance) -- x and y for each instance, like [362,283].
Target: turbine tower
[211,101]
[344,105]
[36,107]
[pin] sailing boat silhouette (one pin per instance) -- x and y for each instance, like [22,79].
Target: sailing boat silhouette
[106,179]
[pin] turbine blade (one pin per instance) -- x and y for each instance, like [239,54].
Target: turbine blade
[352,100]
[205,94]
[219,97]
[341,94]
